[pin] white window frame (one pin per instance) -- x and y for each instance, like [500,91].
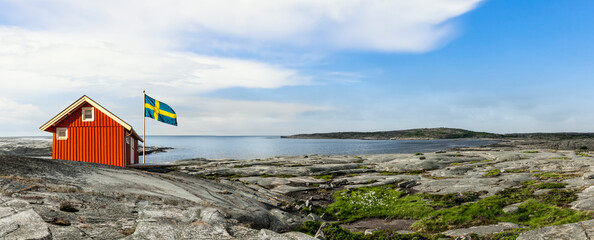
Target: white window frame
[92,109]
[58,133]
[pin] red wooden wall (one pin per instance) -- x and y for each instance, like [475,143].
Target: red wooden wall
[98,141]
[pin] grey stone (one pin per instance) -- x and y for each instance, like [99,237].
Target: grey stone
[482,230]
[588,175]
[572,231]
[511,208]
[314,217]
[585,201]
[24,225]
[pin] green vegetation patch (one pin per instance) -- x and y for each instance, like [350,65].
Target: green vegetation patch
[583,154]
[516,170]
[278,176]
[417,154]
[535,211]
[333,231]
[493,173]
[547,175]
[410,172]
[553,175]
[537,214]
[560,158]
[326,177]
[379,201]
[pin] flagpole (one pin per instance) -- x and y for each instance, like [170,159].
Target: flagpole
[143,127]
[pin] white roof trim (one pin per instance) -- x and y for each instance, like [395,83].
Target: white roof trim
[77,104]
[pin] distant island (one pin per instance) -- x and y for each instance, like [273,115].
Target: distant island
[440,133]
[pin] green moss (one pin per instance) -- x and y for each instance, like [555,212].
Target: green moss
[561,158]
[411,172]
[550,185]
[358,161]
[536,211]
[333,231]
[493,173]
[278,176]
[559,197]
[455,164]
[482,161]
[309,227]
[552,175]
[363,167]
[547,175]
[515,170]
[582,154]
[417,154]
[538,214]
[380,201]
[326,177]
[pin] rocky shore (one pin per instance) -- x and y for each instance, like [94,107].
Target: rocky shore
[510,190]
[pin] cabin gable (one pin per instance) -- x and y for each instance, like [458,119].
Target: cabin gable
[97,136]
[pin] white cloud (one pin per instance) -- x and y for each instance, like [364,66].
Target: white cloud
[42,62]
[396,25]
[15,113]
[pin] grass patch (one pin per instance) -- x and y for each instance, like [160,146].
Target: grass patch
[380,201]
[455,164]
[333,231]
[547,175]
[516,170]
[278,176]
[358,161]
[481,161]
[326,177]
[537,214]
[417,154]
[552,175]
[550,185]
[411,172]
[560,158]
[583,154]
[530,151]
[536,211]
[363,167]
[493,173]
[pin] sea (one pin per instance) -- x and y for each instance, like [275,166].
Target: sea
[260,147]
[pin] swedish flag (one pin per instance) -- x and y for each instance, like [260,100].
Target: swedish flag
[159,111]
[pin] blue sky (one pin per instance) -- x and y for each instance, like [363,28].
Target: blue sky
[286,67]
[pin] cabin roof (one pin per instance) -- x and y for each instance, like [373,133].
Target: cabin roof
[85,99]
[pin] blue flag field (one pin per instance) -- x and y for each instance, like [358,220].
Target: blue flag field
[159,111]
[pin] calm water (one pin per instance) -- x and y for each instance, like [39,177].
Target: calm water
[252,147]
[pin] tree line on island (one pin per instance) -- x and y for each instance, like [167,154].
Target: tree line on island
[440,133]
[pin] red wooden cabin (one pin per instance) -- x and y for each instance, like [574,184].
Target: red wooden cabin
[87,132]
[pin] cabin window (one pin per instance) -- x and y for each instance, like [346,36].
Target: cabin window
[88,114]
[62,133]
